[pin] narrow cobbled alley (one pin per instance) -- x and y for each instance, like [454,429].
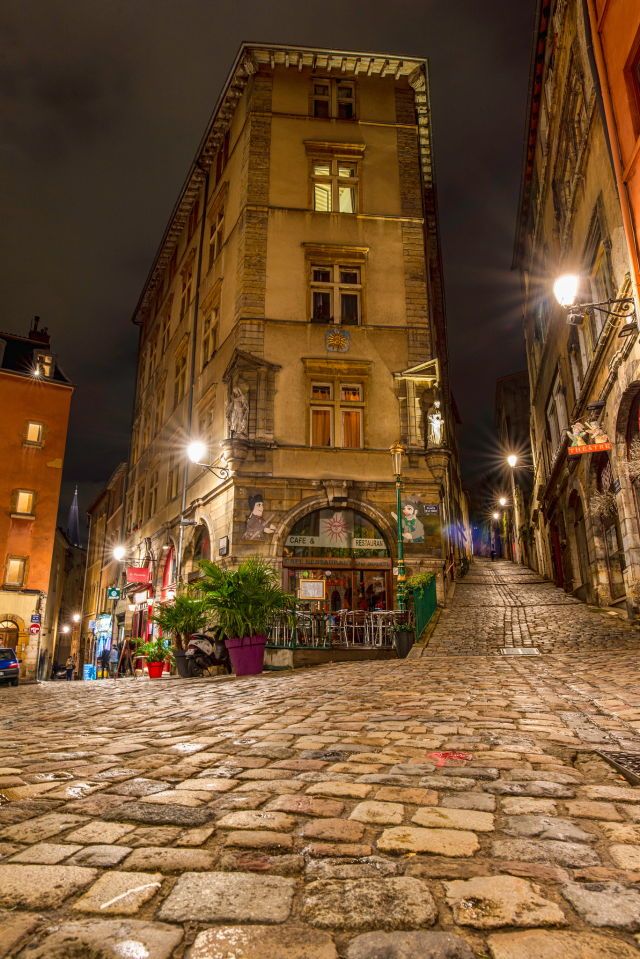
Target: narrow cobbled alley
[449,806]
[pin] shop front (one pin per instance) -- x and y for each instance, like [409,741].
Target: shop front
[337,559]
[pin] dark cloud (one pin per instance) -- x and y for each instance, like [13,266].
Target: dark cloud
[103,104]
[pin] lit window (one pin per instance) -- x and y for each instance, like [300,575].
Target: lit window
[34,434]
[24,502]
[336,294]
[216,236]
[209,336]
[15,571]
[337,422]
[335,185]
[43,364]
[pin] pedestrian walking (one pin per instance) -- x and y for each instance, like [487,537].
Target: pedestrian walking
[69,667]
[114,657]
[104,663]
[493,553]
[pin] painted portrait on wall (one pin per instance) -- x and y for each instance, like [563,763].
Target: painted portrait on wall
[258,526]
[420,524]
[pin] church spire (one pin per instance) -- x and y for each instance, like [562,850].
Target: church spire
[73,521]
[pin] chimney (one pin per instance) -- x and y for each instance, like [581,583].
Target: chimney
[40,336]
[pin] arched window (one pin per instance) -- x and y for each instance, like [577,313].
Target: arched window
[330,532]
[201,544]
[9,633]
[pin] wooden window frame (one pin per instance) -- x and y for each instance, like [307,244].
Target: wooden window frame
[336,289]
[336,406]
[12,557]
[210,331]
[38,444]
[335,181]
[216,236]
[186,291]
[332,98]
[15,498]
[180,377]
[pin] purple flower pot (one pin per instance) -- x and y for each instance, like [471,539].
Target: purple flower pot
[246,654]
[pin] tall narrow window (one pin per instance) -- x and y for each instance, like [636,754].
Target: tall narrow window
[158,410]
[193,220]
[180,380]
[152,496]
[321,99]
[216,236]
[173,478]
[15,570]
[209,336]
[165,332]
[185,293]
[345,98]
[333,98]
[336,412]
[43,364]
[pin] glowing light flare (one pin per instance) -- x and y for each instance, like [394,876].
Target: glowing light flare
[512,460]
[119,553]
[565,289]
[496,515]
[502,501]
[196,451]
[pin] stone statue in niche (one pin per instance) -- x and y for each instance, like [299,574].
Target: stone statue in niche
[435,426]
[238,413]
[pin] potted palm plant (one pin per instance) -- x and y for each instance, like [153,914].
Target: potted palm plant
[185,615]
[156,652]
[243,602]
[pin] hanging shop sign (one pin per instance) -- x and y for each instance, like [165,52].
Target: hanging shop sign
[587,437]
[113,592]
[138,574]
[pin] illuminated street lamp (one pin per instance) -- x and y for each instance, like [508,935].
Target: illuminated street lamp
[502,501]
[76,617]
[119,553]
[397,451]
[65,628]
[496,515]
[512,460]
[565,290]
[197,452]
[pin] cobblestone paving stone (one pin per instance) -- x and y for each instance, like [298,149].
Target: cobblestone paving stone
[308,815]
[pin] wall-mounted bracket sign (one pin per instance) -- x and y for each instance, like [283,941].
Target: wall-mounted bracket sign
[113,592]
[587,437]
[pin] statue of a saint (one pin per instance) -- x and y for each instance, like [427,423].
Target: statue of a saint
[238,413]
[435,426]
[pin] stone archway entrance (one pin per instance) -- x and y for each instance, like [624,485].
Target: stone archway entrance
[9,634]
[343,556]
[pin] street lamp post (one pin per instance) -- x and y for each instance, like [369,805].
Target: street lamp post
[397,451]
[566,289]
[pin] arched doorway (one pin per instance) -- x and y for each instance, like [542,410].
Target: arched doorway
[580,550]
[604,510]
[201,544]
[9,634]
[338,559]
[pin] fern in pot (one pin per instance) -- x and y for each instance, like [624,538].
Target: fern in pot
[244,601]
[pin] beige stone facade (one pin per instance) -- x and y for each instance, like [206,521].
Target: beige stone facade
[293,323]
[584,365]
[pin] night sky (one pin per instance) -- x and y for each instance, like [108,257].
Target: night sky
[103,104]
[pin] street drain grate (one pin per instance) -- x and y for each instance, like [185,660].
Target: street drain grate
[520,651]
[626,763]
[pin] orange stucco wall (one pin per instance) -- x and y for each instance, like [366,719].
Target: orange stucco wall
[34,468]
[618,26]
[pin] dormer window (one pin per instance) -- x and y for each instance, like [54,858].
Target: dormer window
[43,364]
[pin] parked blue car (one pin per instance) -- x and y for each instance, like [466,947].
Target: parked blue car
[9,666]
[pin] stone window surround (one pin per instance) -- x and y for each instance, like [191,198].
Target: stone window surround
[325,254]
[330,151]
[332,97]
[24,560]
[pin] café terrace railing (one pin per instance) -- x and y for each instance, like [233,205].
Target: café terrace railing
[374,628]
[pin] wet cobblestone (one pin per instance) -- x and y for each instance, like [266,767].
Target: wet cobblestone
[298,814]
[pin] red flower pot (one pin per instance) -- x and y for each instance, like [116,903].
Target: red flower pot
[246,654]
[155,670]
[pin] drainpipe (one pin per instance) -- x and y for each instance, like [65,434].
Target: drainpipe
[595,51]
[192,374]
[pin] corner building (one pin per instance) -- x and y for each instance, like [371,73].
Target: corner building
[293,321]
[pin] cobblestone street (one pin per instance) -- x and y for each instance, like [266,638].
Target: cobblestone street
[313,815]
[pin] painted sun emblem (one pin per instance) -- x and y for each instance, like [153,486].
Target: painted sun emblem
[335,528]
[337,341]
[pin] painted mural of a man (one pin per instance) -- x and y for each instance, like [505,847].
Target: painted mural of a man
[412,528]
[257,525]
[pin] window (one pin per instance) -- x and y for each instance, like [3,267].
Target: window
[598,265]
[140,501]
[222,156]
[158,411]
[15,571]
[336,412]
[335,294]
[209,336]
[23,502]
[43,364]
[185,293]
[165,333]
[173,478]
[335,185]
[577,359]
[34,434]
[152,496]
[193,220]
[333,98]
[216,236]
[180,380]
[173,264]
[556,411]
[571,140]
